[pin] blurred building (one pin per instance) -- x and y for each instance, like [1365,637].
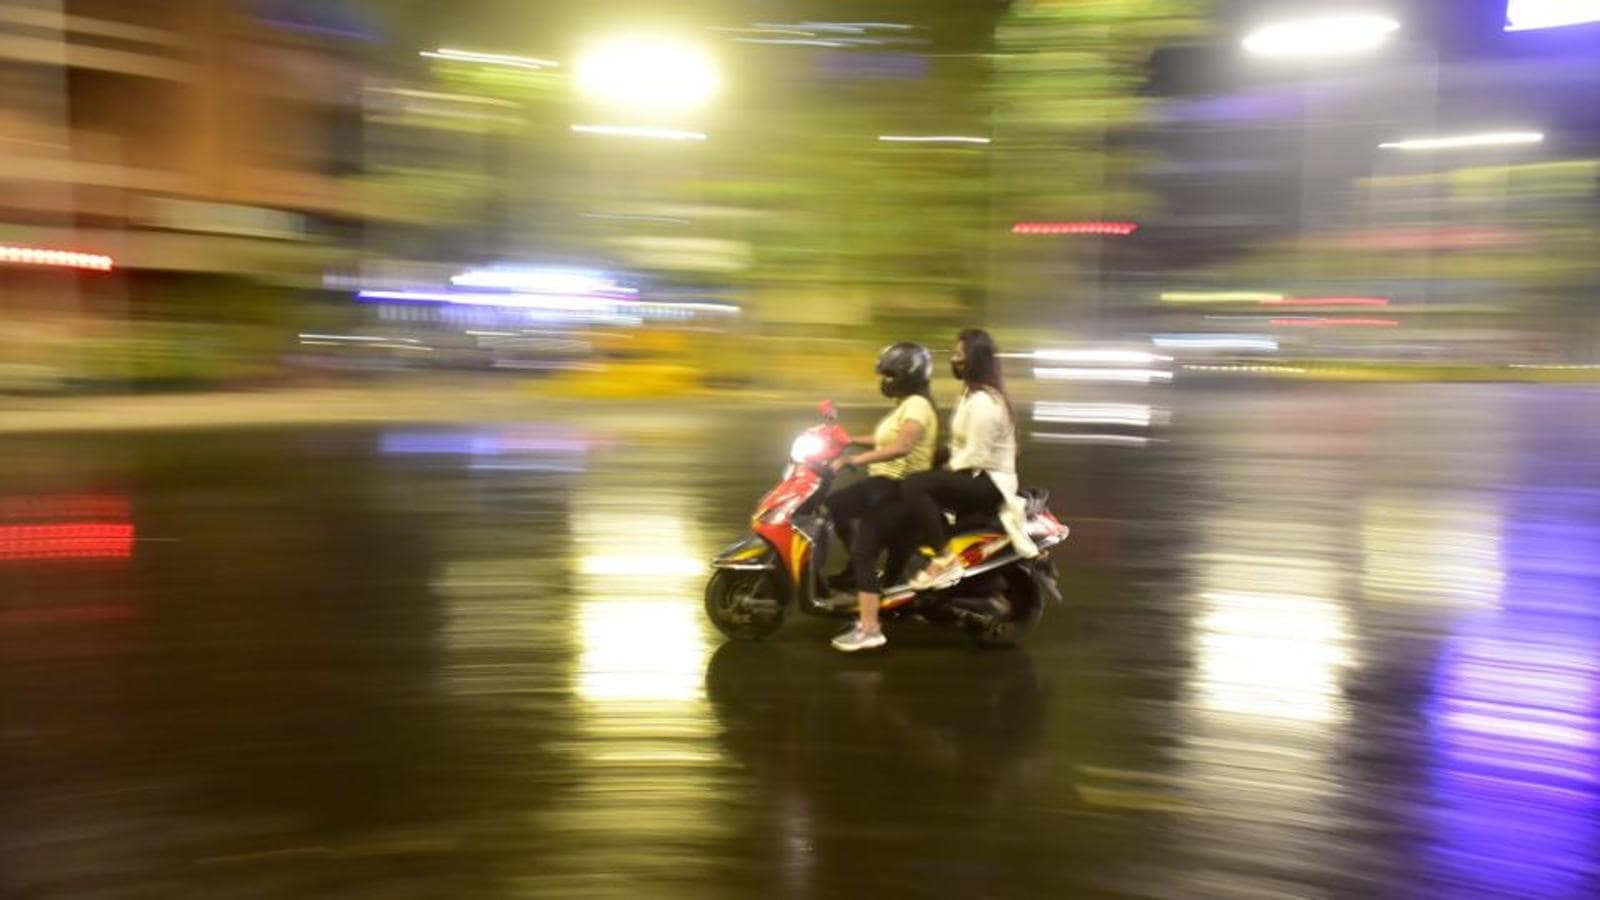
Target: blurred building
[185,135]
[1441,194]
[183,139]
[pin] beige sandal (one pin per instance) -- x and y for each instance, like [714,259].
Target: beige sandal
[940,574]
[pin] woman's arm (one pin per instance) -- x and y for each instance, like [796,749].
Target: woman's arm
[906,438]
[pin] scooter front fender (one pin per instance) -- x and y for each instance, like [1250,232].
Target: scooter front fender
[752,554]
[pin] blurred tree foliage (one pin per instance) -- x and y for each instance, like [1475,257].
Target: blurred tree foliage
[1534,222]
[1067,80]
[513,85]
[909,229]
[930,221]
[835,205]
[1515,241]
[1067,74]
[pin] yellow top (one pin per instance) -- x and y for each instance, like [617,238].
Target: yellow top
[914,408]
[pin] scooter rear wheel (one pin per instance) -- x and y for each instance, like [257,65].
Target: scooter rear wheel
[746,605]
[1023,610]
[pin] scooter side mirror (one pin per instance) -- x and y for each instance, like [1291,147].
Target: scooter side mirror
[830,412]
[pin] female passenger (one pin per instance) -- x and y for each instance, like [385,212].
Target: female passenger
[982,473]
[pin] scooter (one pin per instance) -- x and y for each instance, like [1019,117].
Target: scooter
[999,597]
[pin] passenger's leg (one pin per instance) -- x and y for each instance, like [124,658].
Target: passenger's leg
[925,521]
[962,493]
[967,492]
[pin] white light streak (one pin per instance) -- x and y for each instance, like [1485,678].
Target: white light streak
[1091,357]
[1096,413]
[1215,342]
[1135,376]
[491,59]
[931,139]
[1466,141]
[1321,37]
[1220,297]
[1116,440]
[660,134]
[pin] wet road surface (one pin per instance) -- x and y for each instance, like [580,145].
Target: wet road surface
[1317,642]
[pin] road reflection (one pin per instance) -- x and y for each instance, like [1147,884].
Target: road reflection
[1313,645]
[1514,721]
[1421,548]
[647,789]
[937,754]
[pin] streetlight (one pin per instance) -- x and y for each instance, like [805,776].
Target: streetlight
[648,74]
[1321,36]
[652,83]
[1532,15]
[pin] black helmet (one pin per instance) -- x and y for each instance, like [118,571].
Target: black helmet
[906,369]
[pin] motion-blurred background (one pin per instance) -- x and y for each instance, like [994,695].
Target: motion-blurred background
[523,297]
[629,198]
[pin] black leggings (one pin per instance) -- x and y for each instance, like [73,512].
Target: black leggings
[926,494]
[867,516]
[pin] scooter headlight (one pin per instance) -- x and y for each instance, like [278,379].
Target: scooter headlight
[807,447]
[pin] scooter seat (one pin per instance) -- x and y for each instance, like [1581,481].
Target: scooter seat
[1033,499]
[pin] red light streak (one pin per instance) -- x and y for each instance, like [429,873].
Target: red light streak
[1328,301]
[60,259]
[96,540]
[1326,323]
[1118,229]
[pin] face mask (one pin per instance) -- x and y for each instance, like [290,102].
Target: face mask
[958,368]
[886,386]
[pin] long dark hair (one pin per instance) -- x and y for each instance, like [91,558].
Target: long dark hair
[982,371]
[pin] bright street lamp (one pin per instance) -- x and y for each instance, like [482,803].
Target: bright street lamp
[1322,36]
[648,74]
[1531,15]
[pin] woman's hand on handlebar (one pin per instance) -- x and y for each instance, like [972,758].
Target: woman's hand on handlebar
[841,463]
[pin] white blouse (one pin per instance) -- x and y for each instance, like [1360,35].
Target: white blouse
[982,437]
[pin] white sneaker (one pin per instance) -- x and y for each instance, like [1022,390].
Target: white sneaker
[859,638]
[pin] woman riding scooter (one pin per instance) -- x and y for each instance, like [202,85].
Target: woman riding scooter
[982,473]
[866,514]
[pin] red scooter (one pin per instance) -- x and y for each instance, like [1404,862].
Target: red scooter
[780,564]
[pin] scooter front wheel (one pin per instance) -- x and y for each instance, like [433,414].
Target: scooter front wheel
[746,605]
